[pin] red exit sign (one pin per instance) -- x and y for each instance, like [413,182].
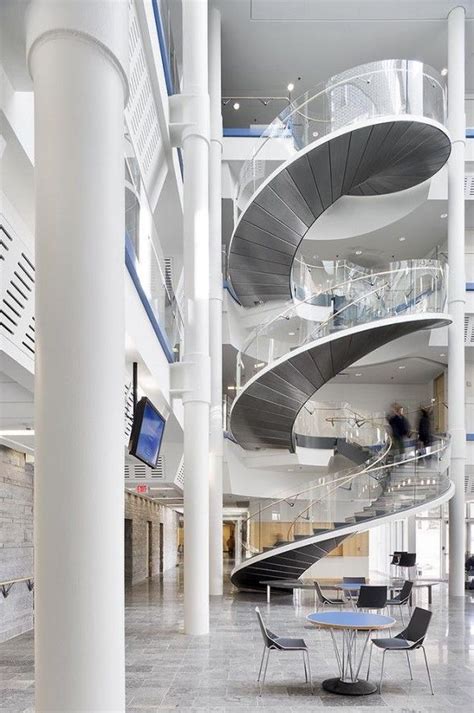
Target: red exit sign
[141,488]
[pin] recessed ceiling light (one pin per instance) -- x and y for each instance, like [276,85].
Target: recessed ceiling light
[291,334]
[358,374]
[444,71]
[402,239]
[358,252]
[442,355]
[315,134]
[17,432]
[290,87]
[443,215]
[236,106]
[259,365]
[402,367]
[231,388]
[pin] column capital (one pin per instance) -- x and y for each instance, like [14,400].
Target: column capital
[101,23]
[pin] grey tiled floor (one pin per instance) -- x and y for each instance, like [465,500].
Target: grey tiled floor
[167,670]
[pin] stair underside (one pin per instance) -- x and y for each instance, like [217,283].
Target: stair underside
[380,159]
[264,413]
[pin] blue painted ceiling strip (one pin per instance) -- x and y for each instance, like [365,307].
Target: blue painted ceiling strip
[131,263]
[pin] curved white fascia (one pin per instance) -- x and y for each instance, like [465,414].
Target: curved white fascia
[351,529]
[368,326]
[329,137]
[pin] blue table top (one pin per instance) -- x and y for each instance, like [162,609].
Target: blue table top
[351,586]
[351,620]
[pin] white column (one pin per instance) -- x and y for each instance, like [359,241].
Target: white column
[457,287]
[411,533]
[215,307]
[196,291]
[77,55]
[238,541]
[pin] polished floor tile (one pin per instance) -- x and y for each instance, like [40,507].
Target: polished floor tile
[169,671]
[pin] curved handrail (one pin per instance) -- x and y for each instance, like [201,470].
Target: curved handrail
[416,458]
[401,87]
[433,268]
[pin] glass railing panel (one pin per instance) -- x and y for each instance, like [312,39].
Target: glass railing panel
[377,89]
[404,288]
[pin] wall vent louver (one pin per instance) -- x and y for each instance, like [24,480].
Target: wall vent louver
[469,187]
[139,472]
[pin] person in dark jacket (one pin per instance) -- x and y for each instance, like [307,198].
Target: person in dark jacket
[425,433]
[399,427]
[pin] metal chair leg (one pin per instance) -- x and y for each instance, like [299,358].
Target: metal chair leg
[428,670]
[370,659]
[261,663]
[265,671]
[305,669]
[409,665]
[310,674]
[381,671]
[401,615]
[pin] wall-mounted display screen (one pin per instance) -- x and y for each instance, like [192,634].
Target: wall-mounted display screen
[147,433]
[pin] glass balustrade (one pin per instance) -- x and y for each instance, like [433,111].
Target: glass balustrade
[402,289]
[386,484]
[378,89]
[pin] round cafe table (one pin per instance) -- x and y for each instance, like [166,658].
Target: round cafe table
[349,660]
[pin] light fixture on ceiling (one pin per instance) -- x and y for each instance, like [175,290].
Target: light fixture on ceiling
[315,134]
[259,365]
[231,388]
[291,334]
[236,106]
[442,355]
[443,215]
[162,487]
[444,71]
[402,367]
[358,252]
[402,239]
[290,87]
[359,374]
[17,432]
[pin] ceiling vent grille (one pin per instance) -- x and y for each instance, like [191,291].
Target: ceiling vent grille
[469,186]
[179,478]
[17,301]
[469,330]
[140,113]
[139,472]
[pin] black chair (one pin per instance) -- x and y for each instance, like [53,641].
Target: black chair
[353,580]
[407,640]
[272,642]
[396,558]
[407,559]
[324,601]
[402,598]
[372,597]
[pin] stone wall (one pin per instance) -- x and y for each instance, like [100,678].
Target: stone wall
[16,541]
[140,511]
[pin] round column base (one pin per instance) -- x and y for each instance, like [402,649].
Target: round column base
[347,688]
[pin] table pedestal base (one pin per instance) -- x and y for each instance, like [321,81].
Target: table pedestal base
[349,688]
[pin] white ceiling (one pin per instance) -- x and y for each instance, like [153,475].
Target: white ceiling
[268,43]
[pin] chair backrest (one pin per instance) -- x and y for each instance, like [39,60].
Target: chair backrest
[405,591]
[266,633]
[417,626]
[319,592]
[407,559]
[372,597]
[354,580]
[396,557]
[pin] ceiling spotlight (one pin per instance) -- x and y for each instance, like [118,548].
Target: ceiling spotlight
[402,239]
[291,334]
[443,215]
[315,134]
[444,71]
[290,87]
[236,106]
[259,365]
[358,374]
[442,355]
[402,367]
[231,388]
[358,252]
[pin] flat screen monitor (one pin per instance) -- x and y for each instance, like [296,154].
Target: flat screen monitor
[147,433]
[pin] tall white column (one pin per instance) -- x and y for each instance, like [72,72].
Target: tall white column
[196,290]
[456,300]
[77,55]
[411,533]
[215,307]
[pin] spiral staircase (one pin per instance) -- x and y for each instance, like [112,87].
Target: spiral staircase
[375,130]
